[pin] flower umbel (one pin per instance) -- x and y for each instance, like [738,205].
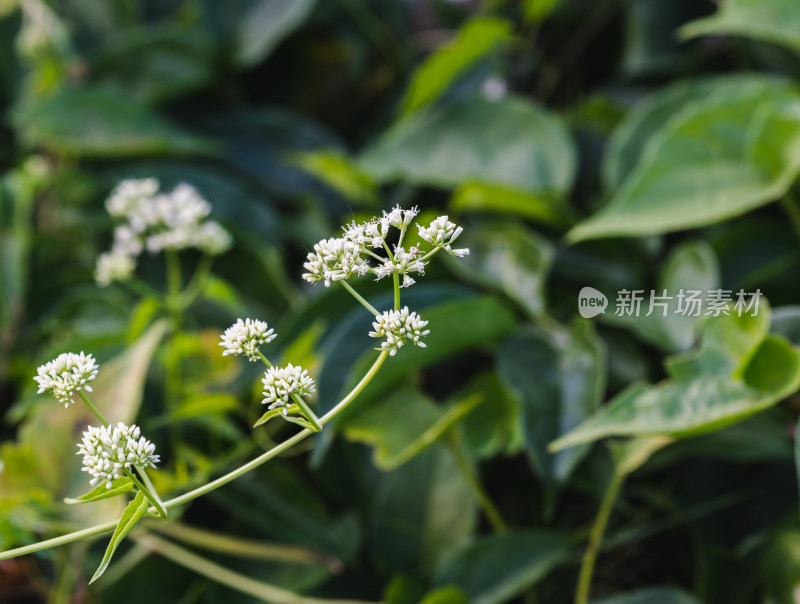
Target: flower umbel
[67,373]
[280,383]
[244,338]
[399,327]
[109,450]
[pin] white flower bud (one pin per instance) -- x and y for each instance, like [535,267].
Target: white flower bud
[244,338]
[109,451]
[399,327]
[281,382]
[67,373]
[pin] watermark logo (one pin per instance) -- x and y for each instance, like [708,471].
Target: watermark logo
[591,302]
[686,303]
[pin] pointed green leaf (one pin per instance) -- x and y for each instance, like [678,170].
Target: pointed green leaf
[776,21]
[510,142]
[716,159]
[493,570]
[500,200]
[119,486]
[135,511]
[404,424]
[340,173]
[275,413]
[476,39]
[262,25]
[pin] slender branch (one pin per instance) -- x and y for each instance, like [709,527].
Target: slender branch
[150,497]
[225,576]
[148,483]
[214,484]
[265,359]
[93,408]
[197,282]
[247,548]
[596,538]
[310,415]
[358,297]
[470,476]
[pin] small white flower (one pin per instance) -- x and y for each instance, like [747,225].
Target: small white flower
[334,259]
[244,338]
[113,266]
[212,238]
[109,451]
[67,373]
[129,194]
[440,232]
[399,327]
[281,382]
[127,241]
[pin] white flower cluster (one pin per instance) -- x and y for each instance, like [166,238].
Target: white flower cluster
[156,222]
[244,338]
[399,327]
[281,382]
[109,450]
[67,373]
[337,259]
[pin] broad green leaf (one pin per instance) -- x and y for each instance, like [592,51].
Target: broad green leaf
[559,381]
[477,38]
[536,11]
[204,404]
[495,569]
[511,143]
[141,317]
[340,173]
[404,424]
[493,427]
[476,197]
[776,21]
[691,266]
[264,24]
[155,62]
[716,159]
[631,454]
[507,257]
[421,512]
[119,486]
[697,405]
[628,141]
[86,122]
[781,565]
[136,510]
[650,595]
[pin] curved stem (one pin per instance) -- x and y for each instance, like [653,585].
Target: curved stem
[197,282]
[214,484]
[265,359]
[150,497]
[306,410]
[93,408]
[471,478]
[596,538]
[358,297]
[159,505]
[225,576]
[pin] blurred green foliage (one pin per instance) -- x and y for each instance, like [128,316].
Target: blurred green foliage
[612,144]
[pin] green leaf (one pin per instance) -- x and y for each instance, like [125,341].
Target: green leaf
[340,173]
[781,565]
[495,569]
[510,258]
[493,427]
[697,405]
[642,123]
[497,199]
[510,142]
[264,24]
[136,510]
[536,11]
[477,38]
[155,62]
[272,413]
[445,595]
[421,512]
[559,381]
[776,21]
[404,424]
[204,404]
[119,486]
[718,158]
[650,595]
[141,317]
[86,122]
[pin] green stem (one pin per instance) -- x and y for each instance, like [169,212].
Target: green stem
[265,359]
[148,483]
[93,408]
[470,476]
[224,576]
[248,548]
[152,498]
[792,208]
[197,282]
[173,275]
[358,297]
[596,538]
[396,286]
[309,414]
[214,484]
